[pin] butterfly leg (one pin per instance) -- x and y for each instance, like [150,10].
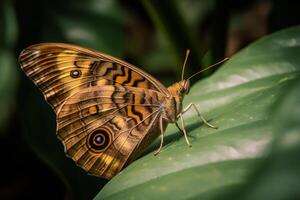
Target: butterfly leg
[177,125]
[161,136]
[199,115]
[184,131]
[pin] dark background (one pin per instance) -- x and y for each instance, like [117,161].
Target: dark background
[150,34]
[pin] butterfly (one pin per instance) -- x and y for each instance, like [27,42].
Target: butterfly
[107,111]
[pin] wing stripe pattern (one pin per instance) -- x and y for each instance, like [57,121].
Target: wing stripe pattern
[50,65]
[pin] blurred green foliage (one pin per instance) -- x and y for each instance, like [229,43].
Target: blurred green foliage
[8,63]
[254,152]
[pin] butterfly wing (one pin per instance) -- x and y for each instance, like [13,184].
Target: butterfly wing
[102,127]
[61,70]
[107,109]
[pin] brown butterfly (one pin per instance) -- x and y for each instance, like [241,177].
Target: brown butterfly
[107,110]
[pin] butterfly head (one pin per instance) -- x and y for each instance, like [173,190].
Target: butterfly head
[184,87]
[180,88]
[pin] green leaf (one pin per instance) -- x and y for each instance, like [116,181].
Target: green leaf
[278,176]
[239,99]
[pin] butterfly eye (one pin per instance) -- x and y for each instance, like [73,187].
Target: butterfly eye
[187,87]
[75,73]
[99,140]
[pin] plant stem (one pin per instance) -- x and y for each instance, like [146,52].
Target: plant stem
[169,22]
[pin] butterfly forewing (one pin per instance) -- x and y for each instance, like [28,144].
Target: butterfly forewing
[61,70]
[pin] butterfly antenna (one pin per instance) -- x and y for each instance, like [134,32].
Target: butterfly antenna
[187,53]
[213,65]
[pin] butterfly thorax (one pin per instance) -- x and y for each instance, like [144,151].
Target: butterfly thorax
[173,103]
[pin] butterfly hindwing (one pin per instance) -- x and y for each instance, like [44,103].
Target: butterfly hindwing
[101,127]
[61,70]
